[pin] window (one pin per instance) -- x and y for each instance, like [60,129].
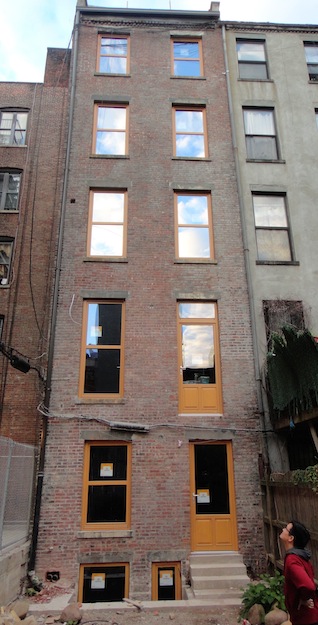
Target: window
[190,133]
[6,249]
[194,225]
[111,130]
[102,354]
[272,231]
[106,485]
[9,191]
[166,581]
[187,57]
[107,223]
[113,54]
[251,59]
[12,128]
[260,134]
[1,324]
[199,361]
[103,582]
[279,313]
[316,115]
[311,52]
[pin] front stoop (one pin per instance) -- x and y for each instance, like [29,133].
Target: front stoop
[217,577]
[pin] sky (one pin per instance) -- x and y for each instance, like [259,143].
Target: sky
[35,25]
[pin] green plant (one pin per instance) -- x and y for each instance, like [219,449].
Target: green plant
[30,592]
[268,592]
[307,477]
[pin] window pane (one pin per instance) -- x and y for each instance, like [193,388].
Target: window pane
[111,143]
[192,209]
[111,118]
[311,54]
[261,148]
[190,145]
[102,371]
[111,65]
[108,207]
[114,47]
[5,137]
[114,456]
[186,50]
[107,240]
[253,71]
[5,258]
[103,583]
[189,121]
[250,51]
[187,68]
[104,324]
[194,243]
[270,211]
[212,475]
[273,245]
[198,354]
[259,122]
[106,504]
[195,310]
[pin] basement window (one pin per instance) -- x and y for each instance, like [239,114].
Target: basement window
[103,582]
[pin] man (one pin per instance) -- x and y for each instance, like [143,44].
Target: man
[299,587]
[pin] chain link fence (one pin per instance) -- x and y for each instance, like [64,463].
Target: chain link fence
[16,488]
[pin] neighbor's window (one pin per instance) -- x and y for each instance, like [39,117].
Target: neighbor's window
[260,134]
[6,249]
[190,133]
[107,223]
[102,351]
[113,54]
[272,230]
[103,582]
[311,52]
[251,59]
[193,225]
[110,130]
[187,57]
[106,485]
[13,128]
[9,191]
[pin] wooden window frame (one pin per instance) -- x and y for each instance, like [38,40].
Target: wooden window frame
[201,109]
[253,63]
[5,190]
[13,128]
[256,135]
[121,347]
[100,55]
[209,225]
[123,525]
[180,39]
[110,105]
[101,566]
[274,228]
[177,576]
[91,222]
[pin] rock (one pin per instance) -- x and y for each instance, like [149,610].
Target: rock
[172,616]
[71,613]
[287,623]
[21,607]
[275,617]
[256,614]
[30,620]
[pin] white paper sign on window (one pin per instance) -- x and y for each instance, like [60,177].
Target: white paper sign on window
[98,581]
[165,578]
[106,469]
[203,495]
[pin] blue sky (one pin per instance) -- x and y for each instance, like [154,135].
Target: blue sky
[35,25]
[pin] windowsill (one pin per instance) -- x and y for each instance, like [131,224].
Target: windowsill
[259,160]
[4,286]
[293,263]
[11,145]
[313,82]
[11,212]
[255,80]
[92,400]
[188,77]
[195,261]
[124,156]
[191,158]
[105,534]
[108,74]
[104,259]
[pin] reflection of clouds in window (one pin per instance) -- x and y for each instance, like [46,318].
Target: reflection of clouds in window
[198,346]
[111,118]
[108,207]
[194,243]
[92,323]
[197,310]
[107,240]
[192,209]
[110,143]
[190,145]
[109,65]
[270,210]
[189,121]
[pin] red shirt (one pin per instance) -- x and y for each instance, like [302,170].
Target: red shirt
[299,586]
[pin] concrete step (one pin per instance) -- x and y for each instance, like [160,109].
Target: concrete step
[214,597]
[211,568]
[213,582]
[218,576]
[219,557]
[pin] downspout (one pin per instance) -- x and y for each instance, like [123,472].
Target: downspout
[47,396]
[245,248]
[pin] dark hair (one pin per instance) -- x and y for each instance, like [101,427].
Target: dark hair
[300,534]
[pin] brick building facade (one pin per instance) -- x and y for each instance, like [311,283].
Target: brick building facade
[153,426]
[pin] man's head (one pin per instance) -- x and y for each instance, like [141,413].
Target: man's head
[295,535]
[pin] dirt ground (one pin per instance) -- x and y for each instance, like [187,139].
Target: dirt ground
[181,616]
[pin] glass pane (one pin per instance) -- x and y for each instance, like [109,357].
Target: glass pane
[11,201]
[313,72]
[194,243]
[198,354]
[107,240]
[21,121]
[106,504]
[259,122]
[211,478]
[249,71]
[6,121]
[113,65]
[195,310]
[110,143]
[102,371]
[273,245]
[108,207]
[190,145]
[111,118]
[270,211]
[193,209]
[187,68]
[250,51]
[104,324]
[166,583]
[261,148]
[108,462]
[186,50]
[114,47]
[14,182]
[103,583]
[311,54]
[189,121]
[5,137]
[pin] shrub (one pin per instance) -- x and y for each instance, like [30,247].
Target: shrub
[268,592]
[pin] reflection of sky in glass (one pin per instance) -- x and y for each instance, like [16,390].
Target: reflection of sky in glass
[107,240]
[110,142]
[251,51]
[189,121]
[108,207]
[92,322]
[192,209]
[111,118]
[273,245]
[269,211]
[197,310]
[186,49]
[111,65]
[197,346]
[311,54]
[114,47]
[194,243]
[190,145]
